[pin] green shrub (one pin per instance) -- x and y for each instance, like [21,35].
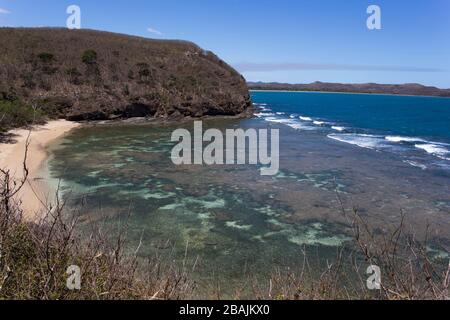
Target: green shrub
[92,70]
[144,71]
[89,57]
[15,114]
[46,57]
[142,65]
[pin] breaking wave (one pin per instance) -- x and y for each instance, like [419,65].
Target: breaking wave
[403,145]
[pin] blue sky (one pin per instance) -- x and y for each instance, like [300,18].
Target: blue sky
[285,40]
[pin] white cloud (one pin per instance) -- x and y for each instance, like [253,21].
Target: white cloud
[152,30]
[4,11]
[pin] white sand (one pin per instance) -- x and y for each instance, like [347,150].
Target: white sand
[37,193]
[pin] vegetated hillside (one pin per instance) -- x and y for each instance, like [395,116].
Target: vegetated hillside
[413,89]
[93,75]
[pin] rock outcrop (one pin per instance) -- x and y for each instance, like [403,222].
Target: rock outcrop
[93,75]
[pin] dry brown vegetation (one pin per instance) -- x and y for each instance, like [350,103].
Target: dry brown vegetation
[93,75]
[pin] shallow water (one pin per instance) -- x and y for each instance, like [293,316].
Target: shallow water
[237,222]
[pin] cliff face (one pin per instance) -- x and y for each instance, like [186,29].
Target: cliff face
[92,75]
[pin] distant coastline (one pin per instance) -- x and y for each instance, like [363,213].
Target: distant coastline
[341,92]
[369,88]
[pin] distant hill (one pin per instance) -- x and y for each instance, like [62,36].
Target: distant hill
[93,75]
[400,89]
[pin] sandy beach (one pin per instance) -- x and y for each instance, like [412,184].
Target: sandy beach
[36,193]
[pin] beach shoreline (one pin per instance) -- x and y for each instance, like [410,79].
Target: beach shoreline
[37,192]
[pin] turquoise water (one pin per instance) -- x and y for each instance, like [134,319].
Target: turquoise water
[234,224]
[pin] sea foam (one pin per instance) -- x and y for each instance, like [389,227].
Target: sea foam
[416,164]
[403,139]
[289,122]
[435,149]
[264,114]
[338,128]
[361,140]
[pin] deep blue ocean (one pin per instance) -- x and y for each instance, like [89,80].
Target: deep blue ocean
[417,128]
